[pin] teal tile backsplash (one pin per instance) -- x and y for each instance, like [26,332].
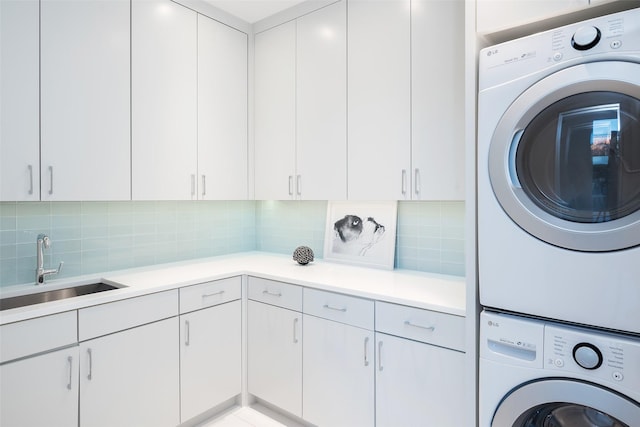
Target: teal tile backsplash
[92,237]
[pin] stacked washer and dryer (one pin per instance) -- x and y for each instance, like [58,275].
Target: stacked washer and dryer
[559,227]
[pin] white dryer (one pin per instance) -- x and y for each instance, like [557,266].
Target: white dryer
[559,173]
[542,374]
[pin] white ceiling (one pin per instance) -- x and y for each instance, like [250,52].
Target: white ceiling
[252,11]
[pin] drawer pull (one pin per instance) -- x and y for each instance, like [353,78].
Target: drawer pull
[428,328]
[70,361]
[213,294]
[273,294]
[295,330]
[342,310]
[366,351]
[90,356]
[380,367]
[187,333]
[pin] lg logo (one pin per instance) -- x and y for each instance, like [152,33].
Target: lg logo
[492,323]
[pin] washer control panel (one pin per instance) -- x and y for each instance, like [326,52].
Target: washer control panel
[605,356]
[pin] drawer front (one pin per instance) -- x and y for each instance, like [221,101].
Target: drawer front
[33,336]
[275,293]
[431,327]
[341,308]
[120,315]
[209,294]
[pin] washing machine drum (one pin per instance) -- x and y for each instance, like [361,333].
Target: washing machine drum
[563,402]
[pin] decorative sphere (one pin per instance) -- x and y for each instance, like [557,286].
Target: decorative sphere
[303,255]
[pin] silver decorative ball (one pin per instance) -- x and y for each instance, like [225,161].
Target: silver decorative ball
[303,255]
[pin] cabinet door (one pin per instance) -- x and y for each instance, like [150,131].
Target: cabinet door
[379,100]
[131,378]
[210,358]
[437,102]
[40,390]
[85,120]
[222,111]
[19,100]
[164,101]
[418,384]
[275,356]
[275,112]
[338,373]
[321,101]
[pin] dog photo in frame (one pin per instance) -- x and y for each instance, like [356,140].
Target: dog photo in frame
[361,233]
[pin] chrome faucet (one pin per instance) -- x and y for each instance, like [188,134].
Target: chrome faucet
[43,243]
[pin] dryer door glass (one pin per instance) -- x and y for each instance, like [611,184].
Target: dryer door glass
[566,415]
[579,158]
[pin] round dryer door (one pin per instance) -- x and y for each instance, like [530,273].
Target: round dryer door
[565,403]
[564,160]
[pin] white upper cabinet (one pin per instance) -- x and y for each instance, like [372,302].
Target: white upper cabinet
[275,112]
[85,81]
[164,101]
[321,104]
[19,100]
[437,101]
[222,111]
[300,108]
[495,15]
[379,100]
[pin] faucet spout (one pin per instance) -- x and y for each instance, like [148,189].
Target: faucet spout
[43,242]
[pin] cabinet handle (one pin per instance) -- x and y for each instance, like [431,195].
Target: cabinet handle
[186,332]
[204,185]
[340,309]
[193,185]
[380,367]
[30,167]
[213,294]
[428,328]
[273,294]
[90,356]
[50,180]
[298,185]
[366,351]
[404,182]
[70,361]
[295,330]
[291,185]
[417,181]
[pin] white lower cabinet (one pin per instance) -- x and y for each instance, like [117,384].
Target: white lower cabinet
[210,358]
[418,384]
[40,390]
[131,378]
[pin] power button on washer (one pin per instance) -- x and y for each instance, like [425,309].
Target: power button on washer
[617,376]
[557,56]
[615,44]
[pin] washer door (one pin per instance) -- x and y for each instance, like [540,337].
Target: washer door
[564,160]
[565,403]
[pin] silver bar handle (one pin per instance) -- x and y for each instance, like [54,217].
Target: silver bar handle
[404,182]
[90,355]
[204,185]
[213,294]
[366,351]
[295,330]
[193,185]
[340,309]
[70,361]
[417,181]
[428,328]
[291,185]
[30,168]
[187,333]
[273,294]
[298,185]
[380,367]
[50,180]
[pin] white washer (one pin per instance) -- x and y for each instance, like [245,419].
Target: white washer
[535,373]
[559,173]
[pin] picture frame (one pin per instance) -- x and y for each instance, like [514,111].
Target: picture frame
[361,233]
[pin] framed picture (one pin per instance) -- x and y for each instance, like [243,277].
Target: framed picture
[362,233]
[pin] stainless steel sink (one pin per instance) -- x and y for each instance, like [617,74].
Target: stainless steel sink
[53,295]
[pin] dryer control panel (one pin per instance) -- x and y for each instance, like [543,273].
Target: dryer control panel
[608,357]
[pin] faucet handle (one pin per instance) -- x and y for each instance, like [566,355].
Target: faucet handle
[59,267]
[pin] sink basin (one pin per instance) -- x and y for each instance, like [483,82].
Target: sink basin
[53,295]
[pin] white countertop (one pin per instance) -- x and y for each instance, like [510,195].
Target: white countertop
[430,291]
